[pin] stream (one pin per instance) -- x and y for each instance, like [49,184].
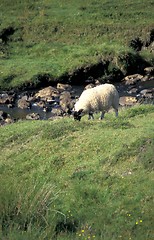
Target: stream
[17,113]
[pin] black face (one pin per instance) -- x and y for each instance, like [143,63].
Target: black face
[77,116]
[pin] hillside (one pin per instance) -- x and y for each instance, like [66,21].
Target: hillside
[42,41]
[66,180]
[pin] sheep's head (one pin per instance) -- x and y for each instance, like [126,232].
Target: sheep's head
[78,114]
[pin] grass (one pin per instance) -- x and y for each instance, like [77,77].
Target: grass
[68,180]
[55,38]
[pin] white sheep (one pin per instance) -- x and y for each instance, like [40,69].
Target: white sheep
[100,98]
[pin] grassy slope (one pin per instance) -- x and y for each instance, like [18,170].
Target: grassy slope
[56,37]
[92,177]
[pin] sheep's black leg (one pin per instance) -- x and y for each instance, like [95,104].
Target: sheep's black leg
[102,115]
[116,112]
[90,116]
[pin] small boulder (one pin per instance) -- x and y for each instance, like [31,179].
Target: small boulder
[64,87]
[41,104]
[66,102]
[3,115]
[5,118]
[127,101]
[5,98]
[132,79]
[10,105]
[133,91]
[47,93]
[33,116]
[57,111]
[149,71]
[90,85]
[147,91]
[8,120]
[23,103]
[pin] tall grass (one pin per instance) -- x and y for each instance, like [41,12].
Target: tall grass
[27,208]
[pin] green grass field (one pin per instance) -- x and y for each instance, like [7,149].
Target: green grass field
[58,37]
[66,180]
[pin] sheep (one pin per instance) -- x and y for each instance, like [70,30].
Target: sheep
[99,98]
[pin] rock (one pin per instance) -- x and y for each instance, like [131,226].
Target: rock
[90,85]
[3,115]
[147,95]
[5,118]
[10,105]
[57,111]
[33,116]
[146,99]
[149,71]
[145,78]
[64,87]
[127,101]
[9,120]
[97,82]
[132,79]
[41,104]
[23,104]
[133,91]
[25,97]
[147,91]
[66,102]
[5,98]
[47,93]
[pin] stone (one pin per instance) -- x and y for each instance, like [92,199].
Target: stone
[33,116]
[47,93]
[127,101]
[3,115]
[9,120]
[10,105]
[90,85]
[57,111]
[64,87]
[147,91]
[133,91]
[66,102]
[23,104]
[149,71]
[5,118]
[132,79]
[41,104]
[5,98]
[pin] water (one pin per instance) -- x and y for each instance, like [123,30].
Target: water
[18,113]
